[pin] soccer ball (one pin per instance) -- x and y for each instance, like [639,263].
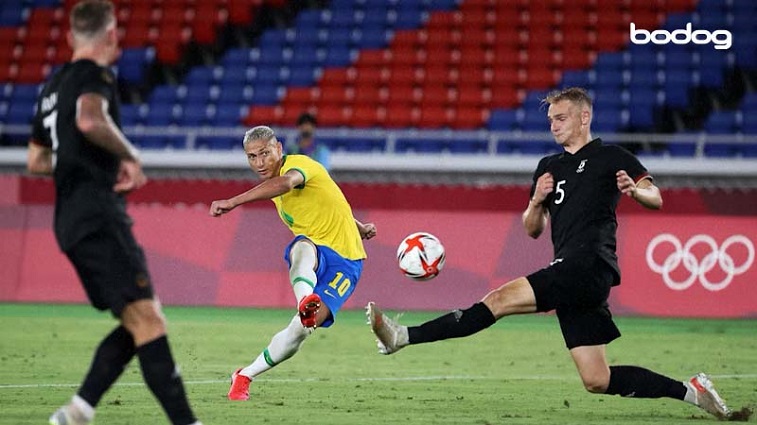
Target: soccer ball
[420,256]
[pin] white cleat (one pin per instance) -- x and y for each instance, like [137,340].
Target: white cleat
[707,398]
[391,336]
[69,415]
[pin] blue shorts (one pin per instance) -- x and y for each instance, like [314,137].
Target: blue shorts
[337,277]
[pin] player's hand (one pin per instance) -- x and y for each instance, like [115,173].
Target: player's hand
[367,230]
[130,176]
[221,207]
[625,183]
[545,184]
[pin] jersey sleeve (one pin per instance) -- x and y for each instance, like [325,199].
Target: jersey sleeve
[97,80]
[540,169]
[625,160]
[39,134]
[302,164]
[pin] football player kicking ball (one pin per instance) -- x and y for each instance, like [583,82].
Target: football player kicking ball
[578,190]
[326,255]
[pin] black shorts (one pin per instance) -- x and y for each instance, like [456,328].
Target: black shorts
[577,289]
[112,268]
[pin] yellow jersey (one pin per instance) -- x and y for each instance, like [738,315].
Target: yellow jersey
[318,209]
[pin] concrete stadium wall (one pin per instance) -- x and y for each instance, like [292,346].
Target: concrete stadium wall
[675,263]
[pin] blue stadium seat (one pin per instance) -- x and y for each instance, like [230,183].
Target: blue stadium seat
[265,94]
[217,142]
[133,62]
[302,77]
[204,75]
[472,146]
[682,145]
[195,115]
[131,114]
[408,18]
[720,150]
[228,115]
[20,112]
[420,145]
[723,122]
[608,120]
[502,120]
[577,79]
[337,56]
[164,94]
[534,120]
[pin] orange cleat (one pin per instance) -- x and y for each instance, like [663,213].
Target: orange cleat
[240,387]
[308,309]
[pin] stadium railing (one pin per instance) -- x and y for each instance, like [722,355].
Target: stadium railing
[386,155]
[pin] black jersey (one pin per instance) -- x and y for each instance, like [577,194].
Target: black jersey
[84,173]
[582,204]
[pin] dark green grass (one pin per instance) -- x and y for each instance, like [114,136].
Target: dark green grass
[517,372]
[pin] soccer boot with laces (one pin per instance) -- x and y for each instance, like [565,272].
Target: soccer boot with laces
[308,309]
[240,387]
[707,398]
[391,336]
[69,415]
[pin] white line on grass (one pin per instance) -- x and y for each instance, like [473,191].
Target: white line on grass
[384,379]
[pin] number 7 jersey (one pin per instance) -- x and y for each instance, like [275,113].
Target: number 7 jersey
[585,195]
[84,173]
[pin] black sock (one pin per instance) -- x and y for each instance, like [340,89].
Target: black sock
[112,356]
[634,381]
[163,379]
[457,324]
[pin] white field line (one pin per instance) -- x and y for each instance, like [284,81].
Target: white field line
[748,376]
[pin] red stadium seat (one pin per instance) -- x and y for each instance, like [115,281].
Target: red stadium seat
[469,118]
[435,117]
[401,116]
[403,95]
[364,116]
[263,115]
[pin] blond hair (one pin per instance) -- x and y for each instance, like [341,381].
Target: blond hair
[575,95]
[261,132]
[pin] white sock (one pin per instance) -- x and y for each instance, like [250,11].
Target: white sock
[83,407]
[691,394]
[283,346]
[303,259]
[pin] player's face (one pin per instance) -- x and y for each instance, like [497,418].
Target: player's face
[264,157]
[565,122]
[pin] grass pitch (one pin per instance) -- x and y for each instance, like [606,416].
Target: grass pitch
[517,372]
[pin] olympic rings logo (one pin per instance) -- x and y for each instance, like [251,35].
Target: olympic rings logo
[682,255]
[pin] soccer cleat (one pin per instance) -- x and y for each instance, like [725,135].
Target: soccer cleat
[707,398]
[391,336]
[68,415]
[308,309]
[240,387]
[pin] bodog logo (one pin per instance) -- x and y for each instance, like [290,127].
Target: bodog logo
[698,268]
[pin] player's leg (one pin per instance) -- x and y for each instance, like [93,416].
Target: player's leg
[140,313]
[337,278]
[90,258]
[302,256]
[638,382]
[514,297]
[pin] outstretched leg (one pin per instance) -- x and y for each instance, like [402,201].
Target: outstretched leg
[638,382]
[514,297]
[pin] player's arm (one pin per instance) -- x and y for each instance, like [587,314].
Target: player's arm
[93,120]
[269,189]
[644,192]
[536,214]
[97,126]
[39,159]
[367,230]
